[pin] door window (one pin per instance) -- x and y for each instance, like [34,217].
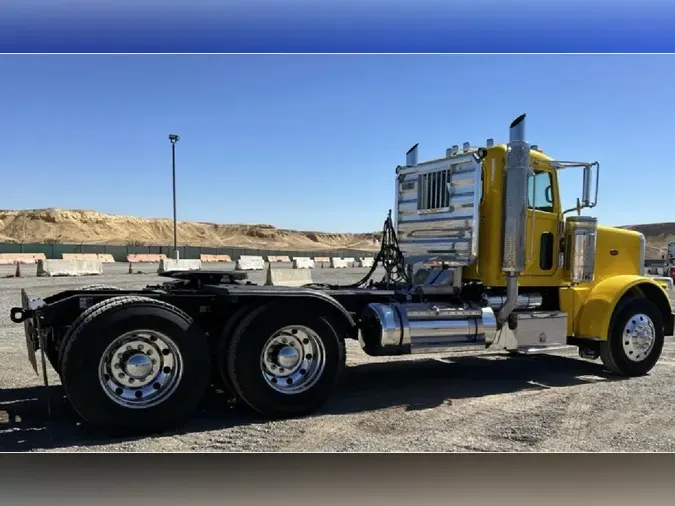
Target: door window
[540,192]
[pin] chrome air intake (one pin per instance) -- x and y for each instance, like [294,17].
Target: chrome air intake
[580,244]
[429,327]
[515,213]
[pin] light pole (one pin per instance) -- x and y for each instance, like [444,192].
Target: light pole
[174,139]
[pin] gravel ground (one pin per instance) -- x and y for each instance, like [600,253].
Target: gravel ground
[430,403]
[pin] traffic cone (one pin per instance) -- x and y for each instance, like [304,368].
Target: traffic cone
[17,274]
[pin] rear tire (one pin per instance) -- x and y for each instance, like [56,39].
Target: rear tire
[135,363]
[283,361]
[635,340]
[55,355]
[221,377]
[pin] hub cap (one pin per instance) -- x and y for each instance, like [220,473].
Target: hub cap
[638,337]
[140,369]
[293,359]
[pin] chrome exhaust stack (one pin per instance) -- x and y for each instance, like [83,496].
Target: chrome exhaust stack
[515,214]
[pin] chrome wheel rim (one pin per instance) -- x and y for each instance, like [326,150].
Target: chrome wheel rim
[293,359]
[639,336]
[140,369]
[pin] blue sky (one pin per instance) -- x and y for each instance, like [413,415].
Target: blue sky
[311,142]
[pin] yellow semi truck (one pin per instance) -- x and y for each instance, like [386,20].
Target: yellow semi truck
[479,255]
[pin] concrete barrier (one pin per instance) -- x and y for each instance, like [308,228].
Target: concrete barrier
[146,258]
[105,258]
[183,264]
[250,263]
[366,261]
[215,258]
[321,260]
[53,268]
[288,277]
[271,259]
[21,258]
[339,263]
[303,263]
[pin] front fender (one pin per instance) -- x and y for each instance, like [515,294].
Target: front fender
[596,312]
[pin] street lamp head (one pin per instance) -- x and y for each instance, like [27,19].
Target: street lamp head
[173,138]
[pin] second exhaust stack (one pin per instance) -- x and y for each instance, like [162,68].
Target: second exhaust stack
[515,212]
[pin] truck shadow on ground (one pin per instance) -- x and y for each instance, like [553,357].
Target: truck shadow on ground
[420,384]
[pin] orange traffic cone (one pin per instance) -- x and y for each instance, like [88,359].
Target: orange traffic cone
[17,274]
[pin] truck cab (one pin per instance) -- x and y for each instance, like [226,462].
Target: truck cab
[493,214]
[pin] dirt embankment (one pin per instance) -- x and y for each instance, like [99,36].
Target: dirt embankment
[658,236]
[91,227]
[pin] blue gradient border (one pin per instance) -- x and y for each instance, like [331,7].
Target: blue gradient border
[292,26]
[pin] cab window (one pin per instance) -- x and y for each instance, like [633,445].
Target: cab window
[540,192]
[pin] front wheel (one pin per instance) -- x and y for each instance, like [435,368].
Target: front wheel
[635,339]
[283,361]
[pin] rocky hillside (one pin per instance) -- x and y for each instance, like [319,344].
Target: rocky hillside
[91,227]
[658,236]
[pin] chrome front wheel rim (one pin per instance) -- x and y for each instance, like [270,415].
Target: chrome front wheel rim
[293,360]
[140,369]
[639,337]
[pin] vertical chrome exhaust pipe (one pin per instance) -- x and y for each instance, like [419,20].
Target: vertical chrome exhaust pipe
[411,156]
[515,214]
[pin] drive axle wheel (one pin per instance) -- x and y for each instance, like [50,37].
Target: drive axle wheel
[140,369]
[283,361]
[135,363]
[53,354]
[635,339]
[293,359]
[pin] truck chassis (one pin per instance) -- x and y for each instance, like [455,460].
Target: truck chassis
[143,359]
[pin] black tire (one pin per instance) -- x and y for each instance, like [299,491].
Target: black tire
[76,324]
[614,356]
[102,324]
[221,377]
[244,360]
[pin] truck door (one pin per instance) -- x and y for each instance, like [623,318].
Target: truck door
[542,214]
